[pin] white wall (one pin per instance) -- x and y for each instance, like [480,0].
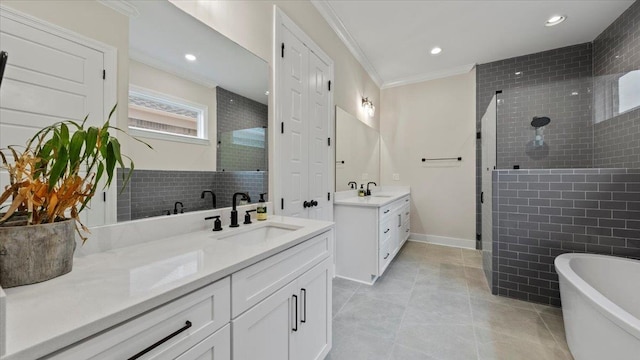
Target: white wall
[171,155]
[433,119]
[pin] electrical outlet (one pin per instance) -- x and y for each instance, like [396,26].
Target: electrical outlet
[365,176]
[396,177]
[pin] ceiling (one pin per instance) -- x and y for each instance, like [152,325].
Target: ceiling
[393,39]
[161,34]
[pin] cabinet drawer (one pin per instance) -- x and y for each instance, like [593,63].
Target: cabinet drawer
[215,347]
[256,282]
[385,212]
[384,255]
[405,212]
[385,231]
[207,310]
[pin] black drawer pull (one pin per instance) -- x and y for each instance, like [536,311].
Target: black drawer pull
[386,231]
[303,318]
[162,341]
[386,211]
[386,256]
[296,320]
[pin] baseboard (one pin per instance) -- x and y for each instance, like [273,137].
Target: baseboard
[443,240]
[355,280]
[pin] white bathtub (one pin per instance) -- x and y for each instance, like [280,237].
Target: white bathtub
[601,306]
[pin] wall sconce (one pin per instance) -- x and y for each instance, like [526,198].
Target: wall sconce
[368,107]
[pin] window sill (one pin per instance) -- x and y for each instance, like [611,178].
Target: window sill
[158,135]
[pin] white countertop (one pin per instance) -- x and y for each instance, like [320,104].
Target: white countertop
[107,288]
[377,199]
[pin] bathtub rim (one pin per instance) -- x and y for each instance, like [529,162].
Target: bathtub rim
[606,307]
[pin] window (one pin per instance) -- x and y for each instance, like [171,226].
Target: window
[161,116]
[629,91]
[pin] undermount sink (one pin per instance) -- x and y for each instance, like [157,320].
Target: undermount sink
[259,235]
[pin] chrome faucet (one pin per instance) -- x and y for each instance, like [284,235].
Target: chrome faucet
[175,207]
[369,191]
[234,212]
[213,196]
[352,184]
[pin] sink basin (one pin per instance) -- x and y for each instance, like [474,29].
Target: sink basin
[381,195]
[258,235]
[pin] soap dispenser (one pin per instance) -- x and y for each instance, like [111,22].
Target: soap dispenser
[261,210]
[361,191]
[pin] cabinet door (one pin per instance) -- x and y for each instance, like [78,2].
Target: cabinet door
[263,332]
[313,340]
[215,347]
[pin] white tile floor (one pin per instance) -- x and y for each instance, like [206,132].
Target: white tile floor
[433,302]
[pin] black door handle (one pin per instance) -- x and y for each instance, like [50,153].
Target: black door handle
[295,328]
[162,341]
[306,204]
[482,197]
[303,318]
[314,203]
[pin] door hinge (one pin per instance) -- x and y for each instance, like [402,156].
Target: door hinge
[478,135]
[104,196]
[282,50]
[282,203]
[104,74]
[329,85]
[329,141]
[282,127]
[328,196]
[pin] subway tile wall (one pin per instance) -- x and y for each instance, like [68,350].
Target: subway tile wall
[236,112]
[540,214]
[616,52]
[154,192]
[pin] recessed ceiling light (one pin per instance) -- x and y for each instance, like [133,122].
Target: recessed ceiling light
[555,20]
[436,50]
[190,57]
[266,92]
[518,73]
[574,93]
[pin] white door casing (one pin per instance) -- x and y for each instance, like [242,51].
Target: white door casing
[488,145]
[302,173]
[53,75]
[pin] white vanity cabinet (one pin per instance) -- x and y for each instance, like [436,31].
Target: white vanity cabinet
[287,313]
[195,324]
[368,235]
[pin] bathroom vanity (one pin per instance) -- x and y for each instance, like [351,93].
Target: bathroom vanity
[370,231]
[259,291]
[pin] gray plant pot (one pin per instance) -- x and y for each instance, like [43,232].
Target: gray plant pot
[35,253]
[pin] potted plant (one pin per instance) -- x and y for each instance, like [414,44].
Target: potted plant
[51,182]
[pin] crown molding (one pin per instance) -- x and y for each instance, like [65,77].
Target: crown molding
[329,14]
[122,6]
[151,61]
[429,76]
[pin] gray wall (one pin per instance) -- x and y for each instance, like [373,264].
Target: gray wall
[616,52]
[153,192]
[235,112]
[540,214]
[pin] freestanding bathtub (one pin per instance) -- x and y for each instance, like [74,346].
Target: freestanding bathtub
[601,306]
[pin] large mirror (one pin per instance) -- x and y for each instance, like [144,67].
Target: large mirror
[200,100]
[357,151]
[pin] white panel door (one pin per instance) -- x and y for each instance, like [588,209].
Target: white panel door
[318,138]
[263,332]
[488,139]
[48,79]
[295,148]
[314,336]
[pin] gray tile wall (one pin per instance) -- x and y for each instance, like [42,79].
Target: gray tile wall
[236,112]
[616,52]
[153,192]
[540,214]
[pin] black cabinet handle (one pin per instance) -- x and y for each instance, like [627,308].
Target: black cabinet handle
[295,328]
[386,211]
[306,204]
[386,256]
[386,231]
[162,341]
[482,197]
[303,318]
[314,203]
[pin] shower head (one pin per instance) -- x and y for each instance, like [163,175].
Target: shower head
[540,121]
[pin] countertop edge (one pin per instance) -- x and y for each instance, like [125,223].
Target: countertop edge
[94,328]
[386,201]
